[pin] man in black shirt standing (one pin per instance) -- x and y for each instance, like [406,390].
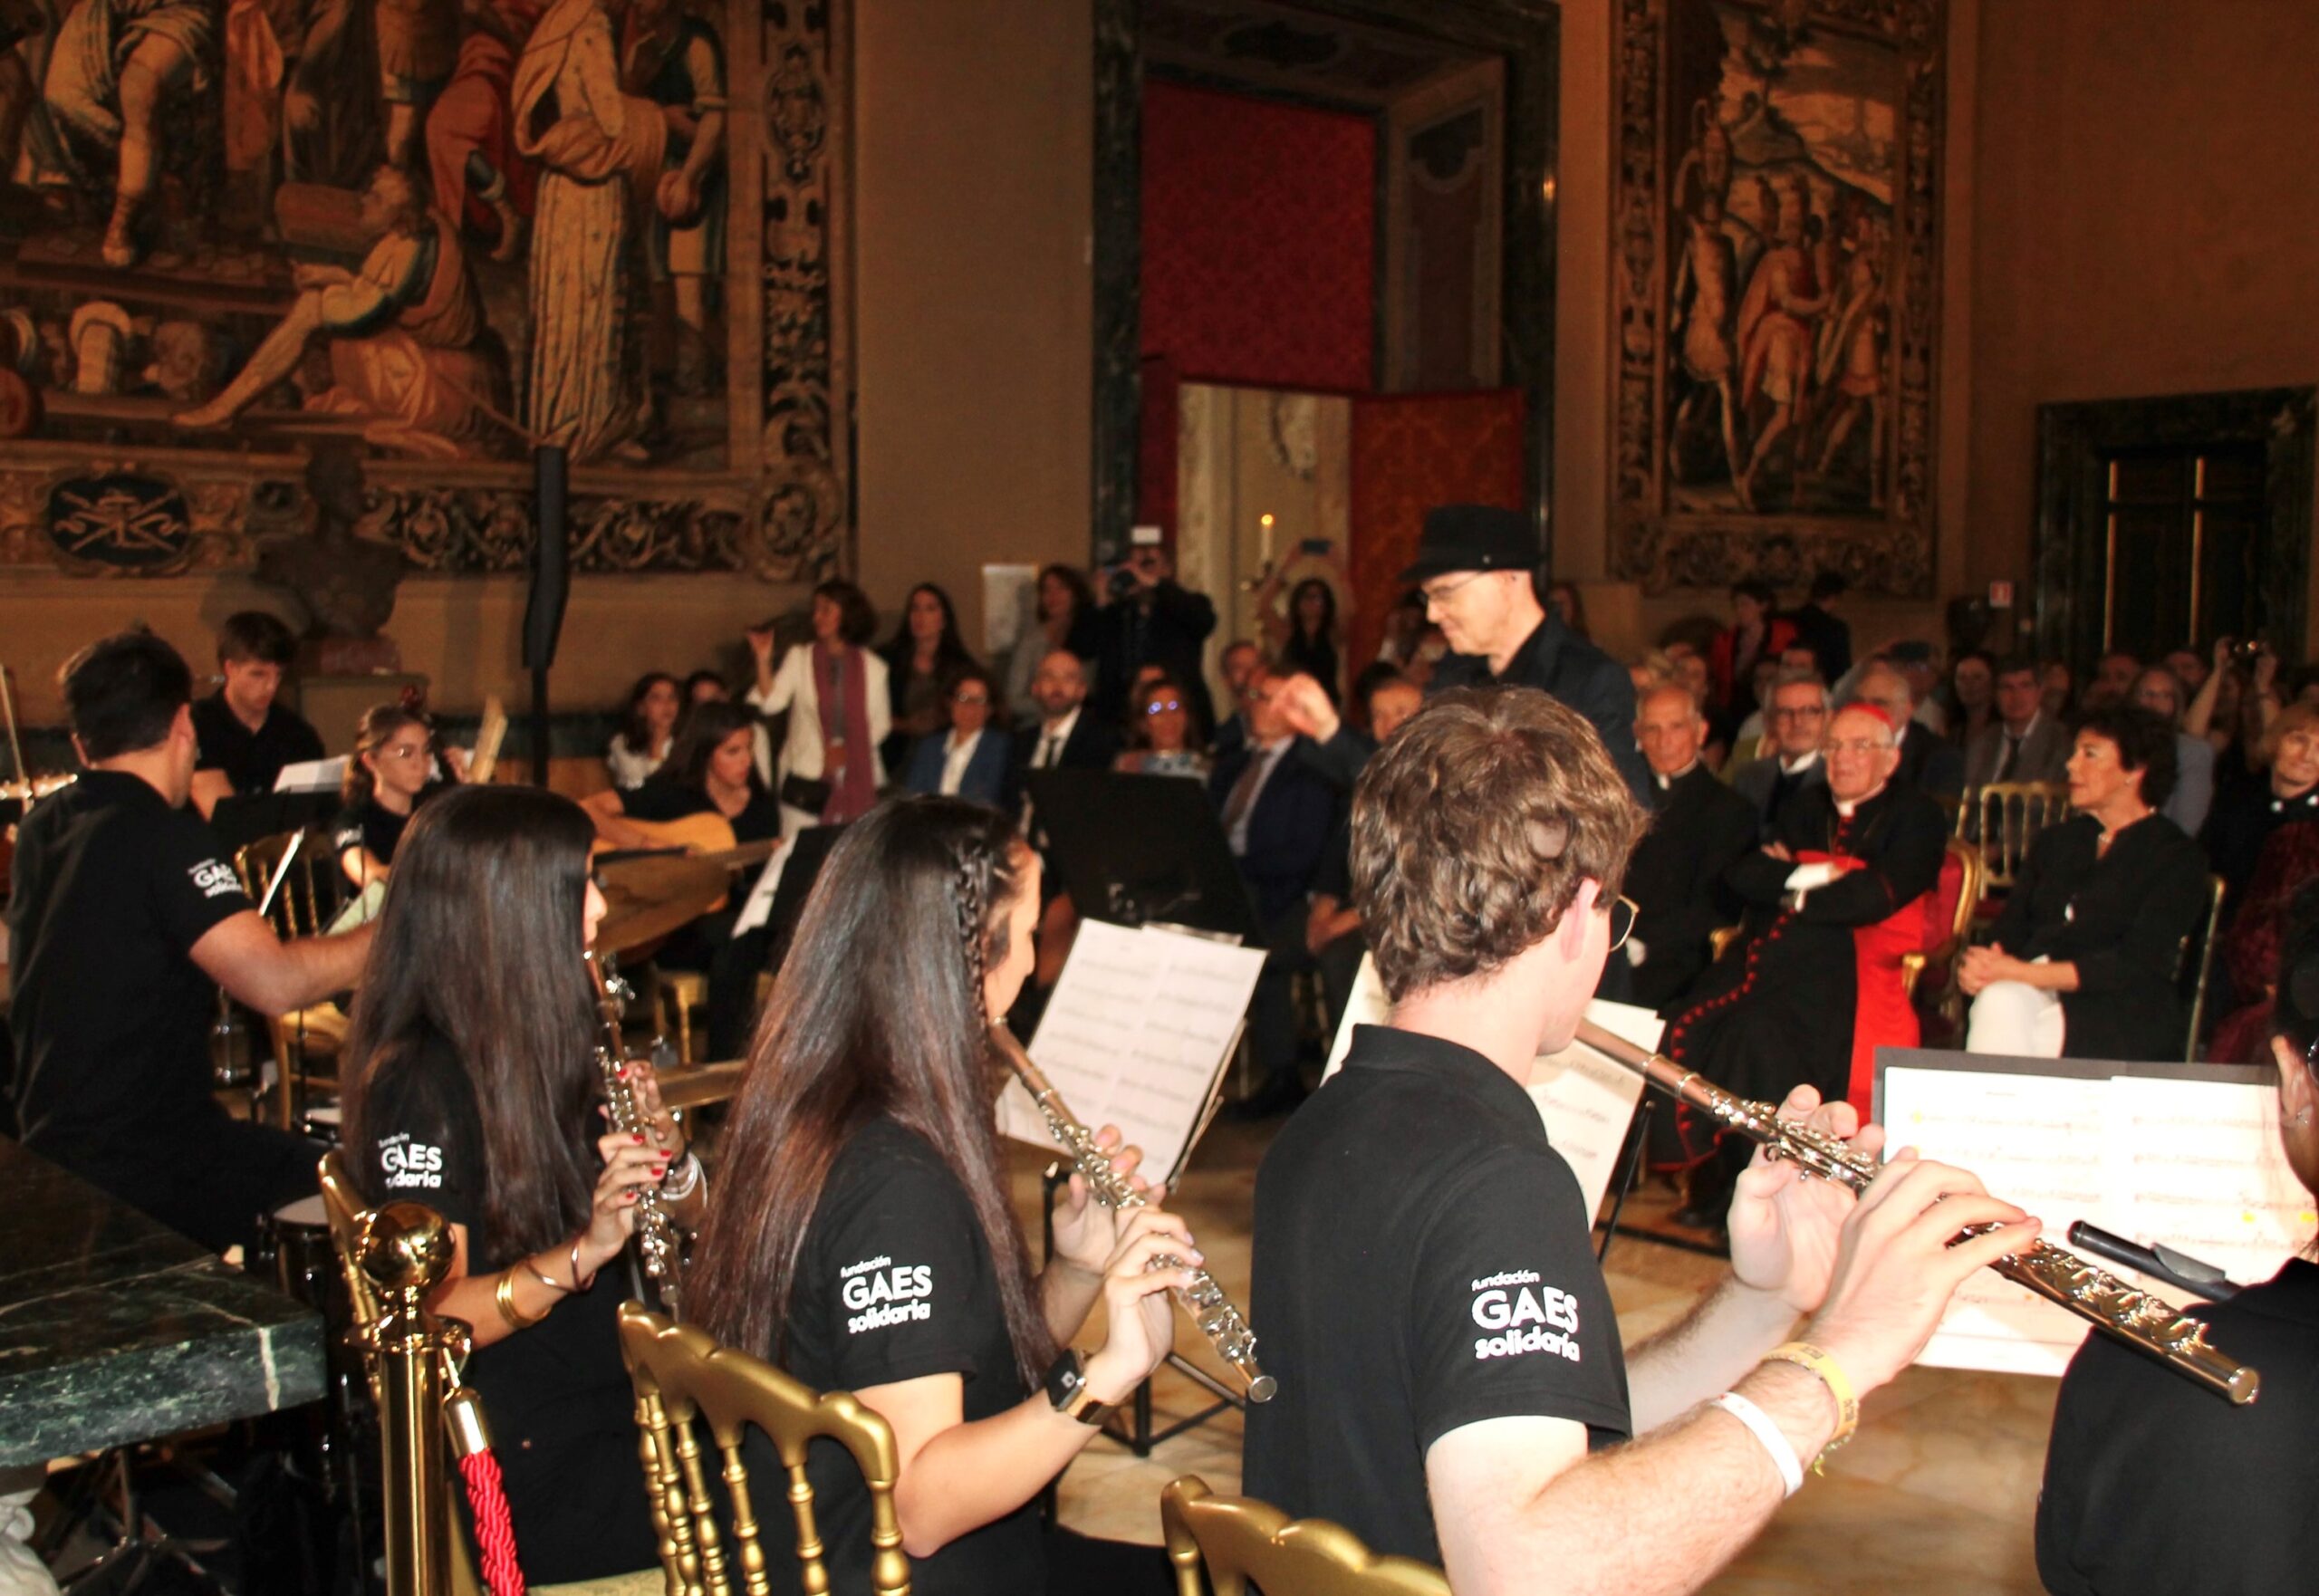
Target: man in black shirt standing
[1152,619]
[124,919]
[245,736]
[1452,1385]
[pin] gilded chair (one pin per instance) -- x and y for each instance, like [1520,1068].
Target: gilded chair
[2216,888]
[1242,1541]
[685,1381]
[2005,817]
[681,991]
[304,1036]
[1721,938]
[1970,868]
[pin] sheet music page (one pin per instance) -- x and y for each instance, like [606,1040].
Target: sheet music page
[758,907]
[1136,1034]
[2034,1140]
[2202,1164]
[1365,1006]
[312,776]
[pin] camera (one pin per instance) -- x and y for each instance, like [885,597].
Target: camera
[1123,584]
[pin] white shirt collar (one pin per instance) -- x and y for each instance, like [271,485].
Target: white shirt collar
[1061,730]
[1846,810]
[1665,781]
[1804,763]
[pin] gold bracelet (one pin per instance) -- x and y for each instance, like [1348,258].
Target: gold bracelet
[1816,1360]
[506,1297]
[546,1279]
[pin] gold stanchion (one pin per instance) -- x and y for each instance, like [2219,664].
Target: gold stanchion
[407,1250]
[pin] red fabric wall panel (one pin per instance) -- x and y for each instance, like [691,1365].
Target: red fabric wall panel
[1259,239]
[1409,452]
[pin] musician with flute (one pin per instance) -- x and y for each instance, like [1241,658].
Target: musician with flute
[862,1238]
[2151,1483]
[1452,1385]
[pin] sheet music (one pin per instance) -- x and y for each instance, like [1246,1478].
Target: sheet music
[2191,1163]
[1137,1034]
[1586,1099]
[757,908]
[312,776]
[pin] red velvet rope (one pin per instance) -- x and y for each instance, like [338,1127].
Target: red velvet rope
[495,1529]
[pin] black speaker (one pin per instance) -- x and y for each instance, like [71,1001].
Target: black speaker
[551,560]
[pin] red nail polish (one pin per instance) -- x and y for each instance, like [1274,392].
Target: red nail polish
[639,1140]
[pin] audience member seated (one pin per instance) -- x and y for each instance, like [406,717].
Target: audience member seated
[1778,1009]
[1066,619]
[1159,736]
[833,690]
[1332,929]
[1238,663]
[1820,628]
[1654,668]
[2056,688]
[2082,961]
[1567,605]
[648,728]
[123,921]
[1927,763]
[469,1066]
[1755,633]
[392,773]
[2023,742]
[1919,663]
[2114,680]
[705,687]
[925,651]
[1303,641]
[246,736]
[2159,690]
[1700,829]
[2247,971]
[1279,812]
[1068,735]
[1747,736]
[2153,1486]
[712,771]
[971,759]
[1799,726]
[1972,697]
[1152,619]
[2245,814]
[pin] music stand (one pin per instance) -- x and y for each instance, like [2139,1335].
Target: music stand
[240,818]
[809,850]
[1137,849]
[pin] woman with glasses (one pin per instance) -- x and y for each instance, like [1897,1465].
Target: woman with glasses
[970,759]
[392,773]
[1161,739]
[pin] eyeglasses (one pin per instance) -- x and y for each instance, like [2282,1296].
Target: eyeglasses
[1809,712]
[1857,746]
[1162,706]
[1622,911]
[1442,592]
[407,751]
[970,698]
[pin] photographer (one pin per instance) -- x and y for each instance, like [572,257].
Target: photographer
[1150,620]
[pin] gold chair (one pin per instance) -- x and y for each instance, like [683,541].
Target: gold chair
[684,991]
[683,1378]
[2216,888]
[1960,920]
[303,1035]
[1721,938]
[1245,1542]
[2005,817]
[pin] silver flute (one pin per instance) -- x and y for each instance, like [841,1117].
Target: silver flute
[1204,1300]
[2142,1321]
[658,1248]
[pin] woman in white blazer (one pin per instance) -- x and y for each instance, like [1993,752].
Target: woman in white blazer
[835,690]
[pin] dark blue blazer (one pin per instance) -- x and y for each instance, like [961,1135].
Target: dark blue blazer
[986,778]
[1289,829]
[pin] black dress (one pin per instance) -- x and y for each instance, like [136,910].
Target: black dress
[2120,917]
[708,945]
[2154,1484]
[1700,829]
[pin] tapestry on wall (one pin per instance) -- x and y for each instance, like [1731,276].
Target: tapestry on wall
[1777,280]
[445,233]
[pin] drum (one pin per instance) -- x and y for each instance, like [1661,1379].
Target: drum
[294,1245]
[321,1122]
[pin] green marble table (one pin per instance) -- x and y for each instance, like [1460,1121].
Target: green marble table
[115,1329]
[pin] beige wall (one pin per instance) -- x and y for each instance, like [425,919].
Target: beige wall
[2144,221]
[974,172]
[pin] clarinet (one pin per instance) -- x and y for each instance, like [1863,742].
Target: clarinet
[1204,1300]
[2146,1323]
[657,1245]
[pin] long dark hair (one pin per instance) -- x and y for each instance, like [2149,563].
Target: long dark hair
[878,1014]
[378,724]
[949,650]
[1314,653]
[705,726]
[632,728]
[478,949]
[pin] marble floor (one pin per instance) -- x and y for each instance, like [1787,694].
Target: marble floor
[1936,1494]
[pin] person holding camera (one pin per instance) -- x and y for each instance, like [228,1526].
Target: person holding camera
[1151,620]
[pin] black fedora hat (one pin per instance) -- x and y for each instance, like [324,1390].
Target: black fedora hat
[1473,537]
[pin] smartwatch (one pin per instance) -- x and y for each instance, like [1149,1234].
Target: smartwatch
[1066,1388]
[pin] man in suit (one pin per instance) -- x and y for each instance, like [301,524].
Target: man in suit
[1699,828]
[1153,621]
[1278,811]
[1068,735]
[1239,661]
[1799,723]
[2023,744]
[972,759]
[1929,762]
[1819,628]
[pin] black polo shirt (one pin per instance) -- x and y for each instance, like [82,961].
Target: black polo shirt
[111,1015]
[663,798]
[2154,1484]
[896,1282]
[251,759]
[1422,1263]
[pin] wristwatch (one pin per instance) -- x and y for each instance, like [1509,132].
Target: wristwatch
[1066,1387]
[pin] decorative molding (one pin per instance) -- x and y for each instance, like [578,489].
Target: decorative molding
[1887,546]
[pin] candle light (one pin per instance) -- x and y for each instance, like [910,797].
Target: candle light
[1264,525]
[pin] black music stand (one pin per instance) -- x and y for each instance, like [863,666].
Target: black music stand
[1137,849]
[240,818]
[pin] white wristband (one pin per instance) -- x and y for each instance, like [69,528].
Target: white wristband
[1784,1457]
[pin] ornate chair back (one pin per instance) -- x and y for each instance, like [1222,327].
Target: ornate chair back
[684,1381]
[2007,816]
[299,907]
[1244,1542]
[2211,934]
